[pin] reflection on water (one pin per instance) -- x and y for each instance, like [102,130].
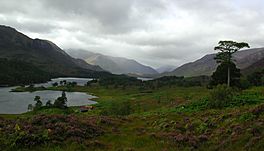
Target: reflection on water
[144,79]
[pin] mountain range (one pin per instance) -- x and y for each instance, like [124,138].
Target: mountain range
[246,60]
[42,59]
[41,54]
[166,68]
[115,65]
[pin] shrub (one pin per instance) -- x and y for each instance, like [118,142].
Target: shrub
[49,104]
[38,102]
[60,102]
[220,96]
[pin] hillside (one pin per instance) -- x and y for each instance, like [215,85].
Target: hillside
[167,68]
[207,65]
[42,54]
[17,72]
[257,66]
[116,65]
[137,118]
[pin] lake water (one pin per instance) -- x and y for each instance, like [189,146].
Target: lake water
[145,79]
[17,102]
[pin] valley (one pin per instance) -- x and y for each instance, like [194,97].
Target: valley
[131,75]
[169,117]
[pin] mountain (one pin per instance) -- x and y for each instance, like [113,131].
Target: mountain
[15,72]
[167,68]
[116,65]
[257,66]
[41,54]
[207,65]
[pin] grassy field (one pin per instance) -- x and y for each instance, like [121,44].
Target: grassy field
[168,118]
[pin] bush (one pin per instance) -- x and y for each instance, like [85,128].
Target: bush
[38,104]
[220,96]
[60,102]
[49,104]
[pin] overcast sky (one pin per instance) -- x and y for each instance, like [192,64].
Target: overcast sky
[154,32]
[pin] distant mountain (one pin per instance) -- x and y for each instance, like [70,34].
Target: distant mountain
[116,65]
[207,65]
[42,54]
[167,68]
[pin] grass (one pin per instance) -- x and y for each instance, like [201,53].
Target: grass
[169,118]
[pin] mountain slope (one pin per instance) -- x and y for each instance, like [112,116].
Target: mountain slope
[42,54]
[167,68]
[207,65]
[15,72]
[116,65]
[257,66]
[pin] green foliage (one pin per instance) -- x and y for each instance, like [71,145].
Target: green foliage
[15,72]
[185,122]
[55,84]
[117,109]
[246,117]
[176,81]
[256,78]
[38,104]
[244,83]
[118,80]
[220,75]
[247,98]
[220,96]
[227,48]
[60,102]
[30,107]
[198,105]
[122,81]
[49,104]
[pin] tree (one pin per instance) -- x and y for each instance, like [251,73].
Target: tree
[220,75]
[256,78]
[60,102]
[30,107]
[63,95]
[49,104]
[55,84]
[38,102]
[227,48]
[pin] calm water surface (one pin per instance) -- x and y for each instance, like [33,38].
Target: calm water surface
[17,102]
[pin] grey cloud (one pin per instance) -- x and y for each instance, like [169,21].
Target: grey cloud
[155,32]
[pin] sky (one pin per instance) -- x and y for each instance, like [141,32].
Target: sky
[153,32]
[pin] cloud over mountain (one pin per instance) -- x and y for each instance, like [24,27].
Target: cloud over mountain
[154,32]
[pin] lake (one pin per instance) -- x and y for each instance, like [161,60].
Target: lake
[145,79]
[17,102]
